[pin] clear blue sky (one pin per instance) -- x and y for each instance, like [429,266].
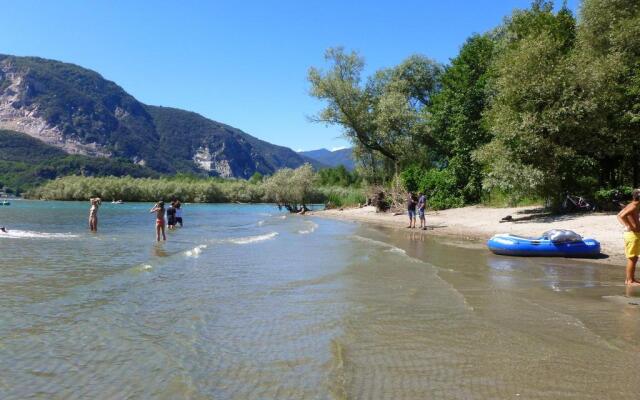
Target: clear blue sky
[241,63]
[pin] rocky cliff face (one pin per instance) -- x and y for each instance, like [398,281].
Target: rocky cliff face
[80,112]
[18,114]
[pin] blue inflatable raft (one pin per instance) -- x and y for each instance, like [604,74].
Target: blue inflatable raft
[556,243]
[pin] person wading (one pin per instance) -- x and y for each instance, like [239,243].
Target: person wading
[159,210]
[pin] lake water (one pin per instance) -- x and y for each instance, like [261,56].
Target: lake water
[246,302]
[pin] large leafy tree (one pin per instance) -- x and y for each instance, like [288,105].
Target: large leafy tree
[607,64]
[384,116]
[456,114]
[536,145]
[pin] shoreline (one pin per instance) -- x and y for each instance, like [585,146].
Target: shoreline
[476,224]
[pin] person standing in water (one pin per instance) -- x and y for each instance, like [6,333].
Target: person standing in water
[171,216]
[179,213]
[93,213]
[159,210]
[411,209]
[422,205]
[630,218]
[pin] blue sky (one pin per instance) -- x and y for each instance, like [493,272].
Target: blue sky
[241,63]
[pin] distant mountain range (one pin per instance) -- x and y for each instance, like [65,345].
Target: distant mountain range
[77,112]
[332,158]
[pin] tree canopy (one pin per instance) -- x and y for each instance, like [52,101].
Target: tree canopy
[545,103]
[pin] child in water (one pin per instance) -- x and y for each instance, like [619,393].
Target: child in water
[159,210]
[93,213]
[178,213]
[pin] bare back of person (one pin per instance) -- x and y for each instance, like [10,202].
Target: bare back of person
[632,217]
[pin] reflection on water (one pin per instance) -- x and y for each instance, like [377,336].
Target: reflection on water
[243,303]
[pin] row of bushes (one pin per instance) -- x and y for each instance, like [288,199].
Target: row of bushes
[203,190]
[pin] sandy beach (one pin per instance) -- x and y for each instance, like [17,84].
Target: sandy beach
[475,224]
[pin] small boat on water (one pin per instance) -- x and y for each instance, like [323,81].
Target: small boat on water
[554,243]
[5,203]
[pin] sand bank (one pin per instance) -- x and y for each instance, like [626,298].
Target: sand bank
[476,224]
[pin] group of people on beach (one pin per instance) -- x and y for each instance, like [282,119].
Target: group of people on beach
[418,203]
[173,216]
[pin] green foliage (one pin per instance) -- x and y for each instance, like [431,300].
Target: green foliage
[500,199]
[286,187]
[440,186]
[457,128]
[611,199]
[534,148]
[339,196]
[338,176]
[256,178]
[292,187]
[26,162]
[540,106]
[385,117]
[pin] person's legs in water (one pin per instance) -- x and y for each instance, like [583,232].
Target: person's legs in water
[631,250]
[93,223]
[159,226]
[631,272]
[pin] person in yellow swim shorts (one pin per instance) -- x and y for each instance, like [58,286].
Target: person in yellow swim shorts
[630,218]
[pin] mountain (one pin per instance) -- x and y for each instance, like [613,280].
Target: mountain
[77,111]
[332,158]
[26,161]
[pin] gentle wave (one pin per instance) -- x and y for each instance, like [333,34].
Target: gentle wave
[253,239]
[141,268]
[261,222]
[18,234]
[195,252]
[396,250]
[373,241]
[389,247]
[312,227]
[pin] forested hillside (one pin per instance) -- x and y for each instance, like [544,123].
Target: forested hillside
[26,162]
[79,112]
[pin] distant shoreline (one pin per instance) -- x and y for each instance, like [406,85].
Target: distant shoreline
[476,224]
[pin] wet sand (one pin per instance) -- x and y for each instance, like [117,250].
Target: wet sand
[454,322]
[471,226]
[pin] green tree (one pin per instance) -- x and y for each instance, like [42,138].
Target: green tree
[256,178]
[292,188]
[535,148]
[608,78]
[456,116]
[383,117]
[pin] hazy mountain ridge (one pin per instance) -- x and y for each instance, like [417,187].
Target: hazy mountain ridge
[80,112]
[332,158]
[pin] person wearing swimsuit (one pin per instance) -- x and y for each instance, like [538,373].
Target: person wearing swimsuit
[93,213]
[159,210]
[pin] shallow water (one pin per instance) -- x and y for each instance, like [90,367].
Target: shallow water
[245,302]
